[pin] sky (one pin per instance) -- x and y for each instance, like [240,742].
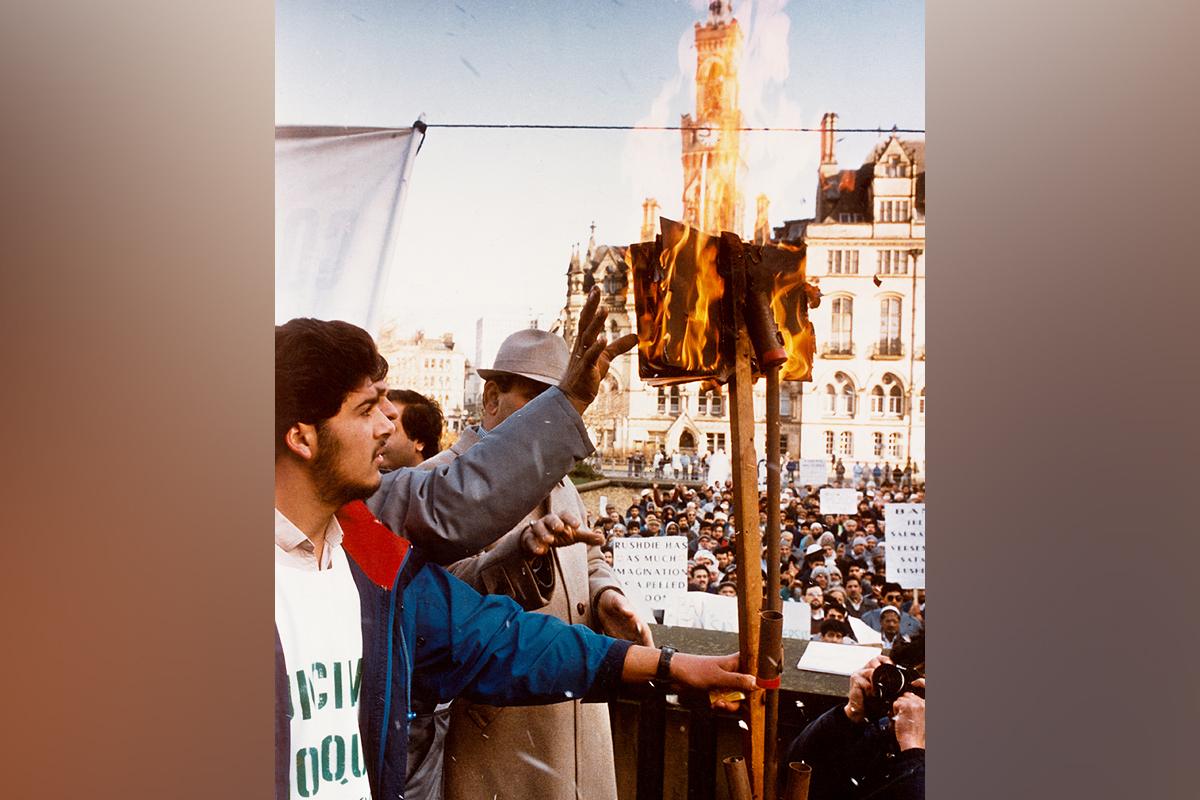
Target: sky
[491,215]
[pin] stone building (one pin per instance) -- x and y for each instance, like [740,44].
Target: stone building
[866,252]
[429,366]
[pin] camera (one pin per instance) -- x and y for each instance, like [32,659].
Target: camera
[889,682]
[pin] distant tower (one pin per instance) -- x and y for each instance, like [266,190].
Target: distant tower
[828,132]
[649,219]
[827,170]
[762,228]
[711,141]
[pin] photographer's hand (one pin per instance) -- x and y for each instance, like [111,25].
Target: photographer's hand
[860,689]
[908,719]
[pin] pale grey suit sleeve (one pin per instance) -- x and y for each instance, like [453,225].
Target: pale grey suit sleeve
[455,510]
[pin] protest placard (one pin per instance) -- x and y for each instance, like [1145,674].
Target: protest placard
[837,659]
[653,570]
[905,543]
[813,472]
[839,501]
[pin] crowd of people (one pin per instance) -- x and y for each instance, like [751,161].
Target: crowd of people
[441,613]
[836,563]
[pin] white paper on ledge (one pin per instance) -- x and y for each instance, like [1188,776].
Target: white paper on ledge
[836,659]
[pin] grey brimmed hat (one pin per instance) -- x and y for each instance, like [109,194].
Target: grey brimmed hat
[538,355]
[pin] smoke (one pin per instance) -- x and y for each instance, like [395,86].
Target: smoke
[651,162]
[780,165]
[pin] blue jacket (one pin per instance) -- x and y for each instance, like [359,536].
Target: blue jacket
[427,634]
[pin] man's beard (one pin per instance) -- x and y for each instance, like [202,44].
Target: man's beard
[332,487]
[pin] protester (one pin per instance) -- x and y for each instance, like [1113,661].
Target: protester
[566,736]
[332,421]
[418,430]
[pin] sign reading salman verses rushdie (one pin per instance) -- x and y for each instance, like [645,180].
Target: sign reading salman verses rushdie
[905,536]
[652,571]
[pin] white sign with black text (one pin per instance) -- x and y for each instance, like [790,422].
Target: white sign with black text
[653,569]
[905,543]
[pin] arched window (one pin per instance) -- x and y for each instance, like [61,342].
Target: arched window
[846,400]
[895,403]
[887,400]
[829,443]
[675,400]
[785,405]
[889,327]
[709,402]
[895,445]
[841,396]
[846,444]
[877,402]
[841,336]
[662,400]
[877,444]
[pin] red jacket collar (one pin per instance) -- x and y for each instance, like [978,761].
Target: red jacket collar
[373,546]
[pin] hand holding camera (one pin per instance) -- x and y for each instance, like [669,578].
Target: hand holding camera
[881,688]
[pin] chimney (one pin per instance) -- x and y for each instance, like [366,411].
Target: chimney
[828,131]
[649,219]
[762,229]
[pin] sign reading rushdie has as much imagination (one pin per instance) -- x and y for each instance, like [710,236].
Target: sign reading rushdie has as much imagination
[653,570]
[905,536]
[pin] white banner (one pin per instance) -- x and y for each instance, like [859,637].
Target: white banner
[339,193]
[814,472]
[905,543]
[839,501]
[653,570]
[715,612]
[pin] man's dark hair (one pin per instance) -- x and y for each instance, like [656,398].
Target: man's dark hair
[421,418]
[317,364]
[892,587]
[836,626]
[722,549]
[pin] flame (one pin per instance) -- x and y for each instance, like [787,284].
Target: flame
[679,313]
[789,304]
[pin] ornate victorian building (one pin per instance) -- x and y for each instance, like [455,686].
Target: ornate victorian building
[866,251]
[865,245]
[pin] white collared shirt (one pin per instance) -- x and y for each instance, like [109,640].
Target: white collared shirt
[294,549]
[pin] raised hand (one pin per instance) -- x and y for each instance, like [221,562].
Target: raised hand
[591,355]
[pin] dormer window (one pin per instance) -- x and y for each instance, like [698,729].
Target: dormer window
[895,168]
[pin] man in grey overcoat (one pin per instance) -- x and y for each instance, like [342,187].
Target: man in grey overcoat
[562,750]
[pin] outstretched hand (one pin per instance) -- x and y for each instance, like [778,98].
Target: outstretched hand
[619,619]
[554,530]
[591,355]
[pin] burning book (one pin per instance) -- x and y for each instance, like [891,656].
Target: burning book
[685,286]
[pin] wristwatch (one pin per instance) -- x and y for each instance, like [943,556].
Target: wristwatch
[664,664]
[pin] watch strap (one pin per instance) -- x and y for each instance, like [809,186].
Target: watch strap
[664,664]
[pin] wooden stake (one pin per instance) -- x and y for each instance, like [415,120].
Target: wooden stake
[748,545]
[774,601]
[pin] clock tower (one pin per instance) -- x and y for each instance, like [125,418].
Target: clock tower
[711,152]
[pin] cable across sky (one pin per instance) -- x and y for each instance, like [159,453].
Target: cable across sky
[559,127]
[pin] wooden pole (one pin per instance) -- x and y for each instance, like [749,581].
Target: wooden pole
[774,601]
[748,545]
